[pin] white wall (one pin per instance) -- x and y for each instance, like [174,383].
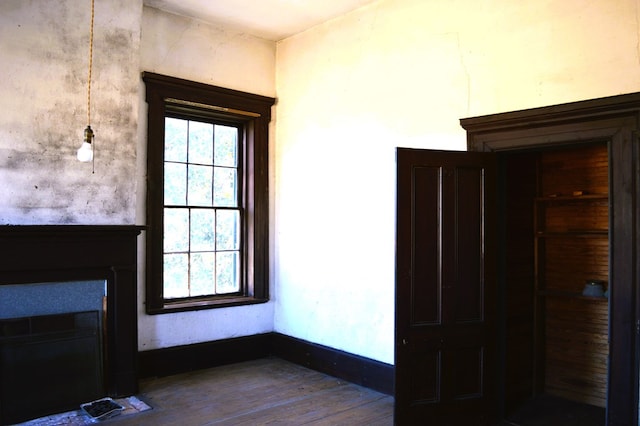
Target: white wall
[190,49]
[401,73]
[44,56]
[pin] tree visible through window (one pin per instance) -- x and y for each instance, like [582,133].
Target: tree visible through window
[201,211]
[207,205]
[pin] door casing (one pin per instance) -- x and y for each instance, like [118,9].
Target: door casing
[616,121]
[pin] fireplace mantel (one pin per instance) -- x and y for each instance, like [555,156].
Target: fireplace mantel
[50,253]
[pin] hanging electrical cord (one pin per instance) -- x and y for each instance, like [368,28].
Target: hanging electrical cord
[85,153]
[90,65]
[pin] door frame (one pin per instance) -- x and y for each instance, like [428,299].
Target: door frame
[615,120]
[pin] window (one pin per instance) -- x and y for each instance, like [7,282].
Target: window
[207,196]
[202,215]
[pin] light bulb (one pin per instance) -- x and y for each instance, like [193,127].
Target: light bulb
[85,152]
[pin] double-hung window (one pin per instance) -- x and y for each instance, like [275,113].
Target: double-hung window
[207,196]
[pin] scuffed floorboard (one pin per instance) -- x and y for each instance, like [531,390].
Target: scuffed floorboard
[266,391]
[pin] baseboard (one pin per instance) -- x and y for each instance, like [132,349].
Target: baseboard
[343,365]
[181,359]
[352,368]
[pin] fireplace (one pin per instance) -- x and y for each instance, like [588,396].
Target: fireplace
[76,253]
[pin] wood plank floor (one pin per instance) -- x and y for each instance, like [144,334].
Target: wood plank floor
[267,391]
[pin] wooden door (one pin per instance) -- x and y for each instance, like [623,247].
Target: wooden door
[445,288]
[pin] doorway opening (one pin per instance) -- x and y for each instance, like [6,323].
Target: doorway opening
[612,122]
[555,283]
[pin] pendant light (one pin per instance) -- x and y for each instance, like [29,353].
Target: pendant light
[85,153]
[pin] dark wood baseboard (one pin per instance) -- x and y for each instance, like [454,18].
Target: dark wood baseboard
[352,368]
[198,356]
[343,365]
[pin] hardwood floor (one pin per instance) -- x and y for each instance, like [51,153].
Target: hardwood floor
[265,391]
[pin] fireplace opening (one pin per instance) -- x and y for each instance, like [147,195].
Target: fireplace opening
[50,363]
[51,347]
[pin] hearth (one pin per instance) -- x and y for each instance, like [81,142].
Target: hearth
[98,344]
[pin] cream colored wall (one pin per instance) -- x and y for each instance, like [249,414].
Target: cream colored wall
[194,50]
[400,73]
[190,49]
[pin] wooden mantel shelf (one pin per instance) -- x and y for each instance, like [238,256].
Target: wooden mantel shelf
[7,230]
[66,247]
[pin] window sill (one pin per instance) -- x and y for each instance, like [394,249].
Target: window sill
[201,304]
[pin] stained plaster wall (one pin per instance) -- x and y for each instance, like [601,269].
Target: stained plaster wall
[190,49]
[401,73]
[44,54]
[44,58]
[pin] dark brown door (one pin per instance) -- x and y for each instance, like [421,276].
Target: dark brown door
[445,288]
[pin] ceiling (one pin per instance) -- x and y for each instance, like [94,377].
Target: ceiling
[269,19]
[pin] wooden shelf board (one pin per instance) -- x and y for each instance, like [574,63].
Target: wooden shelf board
[579,296]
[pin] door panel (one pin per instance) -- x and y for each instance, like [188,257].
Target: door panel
[445,335]
[466,239]
[425,308]
[425,377]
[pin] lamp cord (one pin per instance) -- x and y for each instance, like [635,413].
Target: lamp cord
[90,65]
[93,156]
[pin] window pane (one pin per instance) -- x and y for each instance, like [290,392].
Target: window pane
[200,185]
[175,140]
[200,142]
[176,281]
[228,230]
[176,230]
[203,224]
[227,272]
[202,274]
[226,146]
[175,184]
[225,187]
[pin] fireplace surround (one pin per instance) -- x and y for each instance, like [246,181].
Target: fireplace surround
[65,253]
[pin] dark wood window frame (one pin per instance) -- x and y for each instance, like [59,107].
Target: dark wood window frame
[253,113]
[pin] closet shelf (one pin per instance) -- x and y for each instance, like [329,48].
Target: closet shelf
[585,233]
[570,294]
[573,198]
